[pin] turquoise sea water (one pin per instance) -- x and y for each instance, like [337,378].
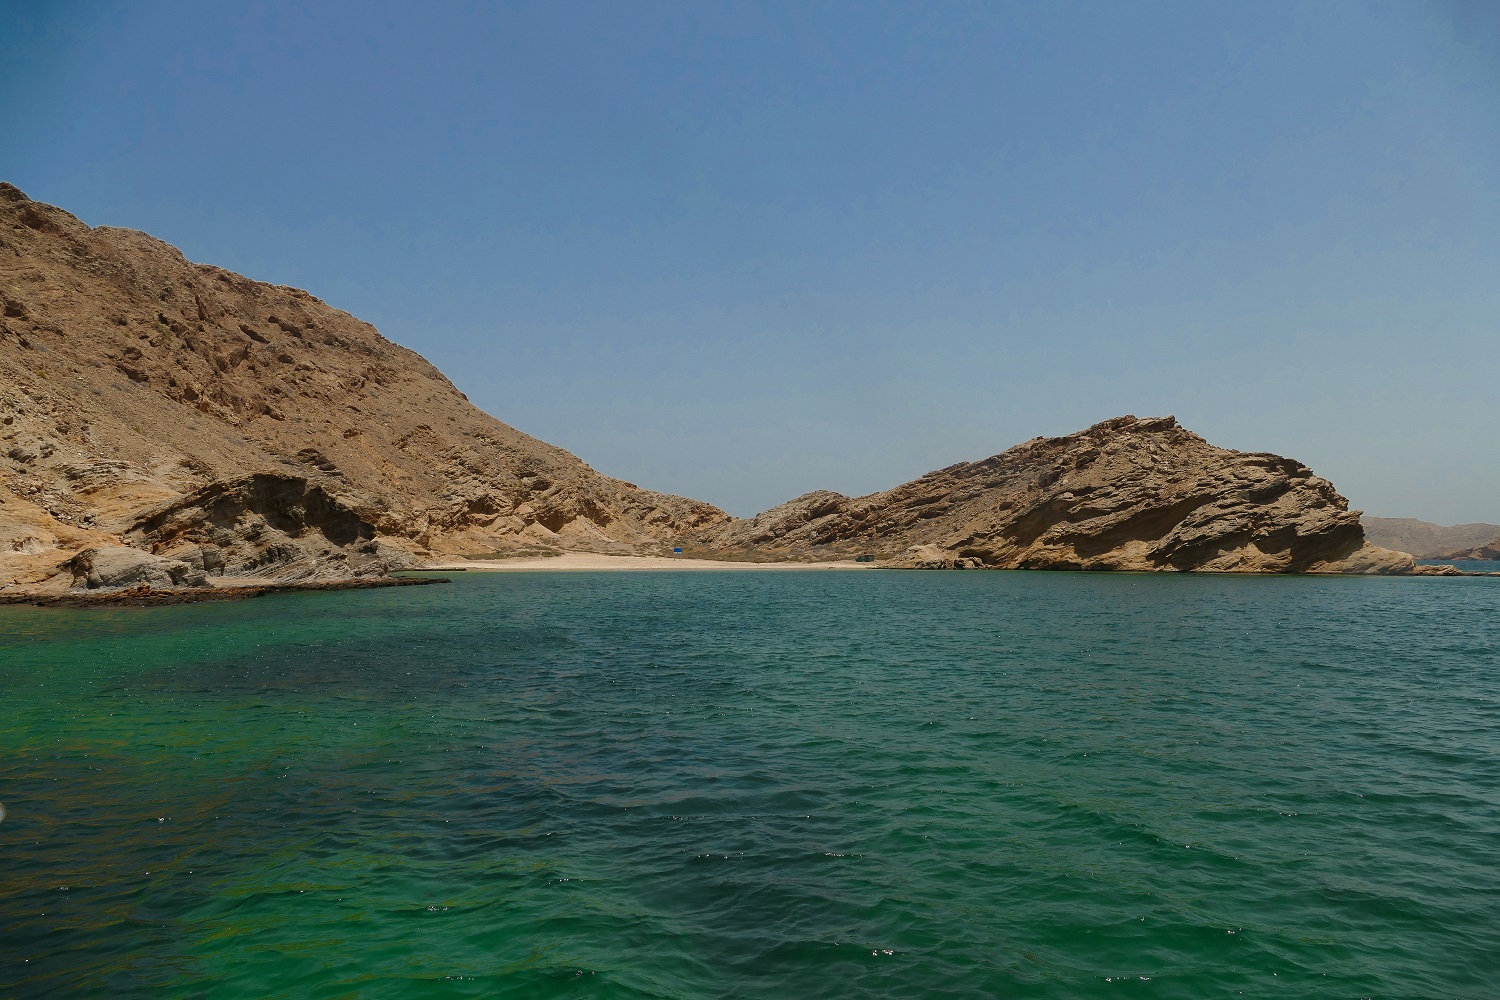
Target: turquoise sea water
[788,785]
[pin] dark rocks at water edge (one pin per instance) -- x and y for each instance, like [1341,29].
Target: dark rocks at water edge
[145,595]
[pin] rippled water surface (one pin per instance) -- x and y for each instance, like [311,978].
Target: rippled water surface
[788,785]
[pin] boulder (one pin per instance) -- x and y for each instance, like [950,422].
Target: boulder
[117,566]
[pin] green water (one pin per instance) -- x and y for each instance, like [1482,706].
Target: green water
[781,785]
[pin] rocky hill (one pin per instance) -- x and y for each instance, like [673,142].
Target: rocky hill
[1489,551]
[1424,539]
[232,427]
[165,424]
[1125,494]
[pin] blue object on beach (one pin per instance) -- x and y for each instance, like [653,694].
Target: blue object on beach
[677,552]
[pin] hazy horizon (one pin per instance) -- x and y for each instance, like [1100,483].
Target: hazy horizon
[741,252]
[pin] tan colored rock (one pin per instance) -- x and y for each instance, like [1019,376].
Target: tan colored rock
[132,379]
[1125,494]
[1424,539]
[1488,551]
[240,429]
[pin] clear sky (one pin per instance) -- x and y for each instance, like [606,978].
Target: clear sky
[744,251]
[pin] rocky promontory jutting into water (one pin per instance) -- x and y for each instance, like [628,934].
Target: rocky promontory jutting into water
[171,427]
[1125,494]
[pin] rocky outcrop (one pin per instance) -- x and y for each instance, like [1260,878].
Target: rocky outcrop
[1125,494]
[265,525]
[117,567]
[134,382]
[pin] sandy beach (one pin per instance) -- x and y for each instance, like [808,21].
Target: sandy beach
[579,561]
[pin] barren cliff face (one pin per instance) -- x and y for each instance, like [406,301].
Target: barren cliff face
[1125,494]
[135,384]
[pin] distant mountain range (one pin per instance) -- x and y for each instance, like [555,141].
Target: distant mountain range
[1426,540]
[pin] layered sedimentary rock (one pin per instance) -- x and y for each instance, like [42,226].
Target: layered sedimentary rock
[250,429]
[114,566]
[1125,494]
[263,525]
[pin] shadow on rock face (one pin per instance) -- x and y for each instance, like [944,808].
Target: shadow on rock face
[120,566]
[259,525]
[1125,494]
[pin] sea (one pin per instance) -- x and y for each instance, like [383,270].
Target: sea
[759,785]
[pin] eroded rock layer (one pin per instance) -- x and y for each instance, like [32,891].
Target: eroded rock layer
[153,403]
[1125,494]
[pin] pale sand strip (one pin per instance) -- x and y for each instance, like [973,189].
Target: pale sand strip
[589,561]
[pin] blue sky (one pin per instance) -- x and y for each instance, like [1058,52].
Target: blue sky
[743,251]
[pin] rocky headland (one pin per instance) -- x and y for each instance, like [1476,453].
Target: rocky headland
[1125,494]
[172,428]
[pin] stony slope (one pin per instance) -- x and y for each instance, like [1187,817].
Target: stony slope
[150,402]
[1424,539]
[166,424]
[1490,550]
[1125,494]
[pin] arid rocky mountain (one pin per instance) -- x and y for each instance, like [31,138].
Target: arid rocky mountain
[1125,494]
[165,424]
[1490,550]
[153,404]
[1424,539]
